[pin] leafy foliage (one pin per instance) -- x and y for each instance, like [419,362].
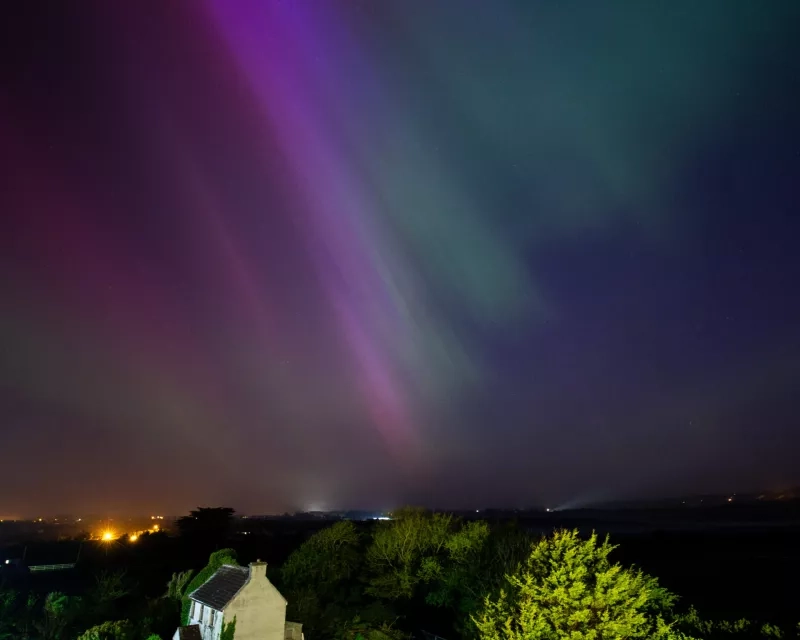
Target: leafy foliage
[228,630]
[691,622]
[215,561]
[406,551]
[358,629]
[112,630]
[477,569]
[325,560]
[569,588]
[317,580]
[58,613]
[8,607]
[177,584]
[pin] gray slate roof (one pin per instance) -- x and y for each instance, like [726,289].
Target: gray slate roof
[190,632]
[220,588]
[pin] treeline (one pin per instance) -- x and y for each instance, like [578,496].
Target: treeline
[418,571]
[93,616]
[483,583]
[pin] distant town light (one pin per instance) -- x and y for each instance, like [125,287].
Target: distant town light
[548,510]
[108,536]
[155,527]
[133,537]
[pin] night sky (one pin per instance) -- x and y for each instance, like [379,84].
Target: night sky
[283,254]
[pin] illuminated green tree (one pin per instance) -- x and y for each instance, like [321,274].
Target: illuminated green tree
[569,588]
[177,584]
[8,615]
[111,630]
[320,581]
[407,551]
[58,613]
[478,561]
[325,560]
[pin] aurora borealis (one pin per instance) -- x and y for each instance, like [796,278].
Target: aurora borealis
[275,253]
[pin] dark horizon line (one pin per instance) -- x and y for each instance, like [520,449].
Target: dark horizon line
[767,496]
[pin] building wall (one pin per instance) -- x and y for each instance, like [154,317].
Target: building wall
[203,617]
[259,608]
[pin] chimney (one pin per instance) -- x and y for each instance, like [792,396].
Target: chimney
[258,569]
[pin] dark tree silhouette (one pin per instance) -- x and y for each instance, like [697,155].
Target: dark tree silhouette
[208,523]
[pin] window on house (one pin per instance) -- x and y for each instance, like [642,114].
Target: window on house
[211,616]
[193,610]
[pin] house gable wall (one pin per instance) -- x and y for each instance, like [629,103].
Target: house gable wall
[259,608]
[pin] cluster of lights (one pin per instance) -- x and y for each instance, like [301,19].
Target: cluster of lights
[156,517]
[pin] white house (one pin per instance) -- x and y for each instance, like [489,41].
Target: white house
[243,593]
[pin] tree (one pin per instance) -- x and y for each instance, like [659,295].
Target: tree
[477,563]
[568,588]
[328,558]
[8,615]
[691,622]
[109,586]
[318,579]
[358,629]
[177,584]
[207,523]
[405,552]
[58,613]
[110,630]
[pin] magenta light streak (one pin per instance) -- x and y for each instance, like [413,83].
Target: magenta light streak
[281,52]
